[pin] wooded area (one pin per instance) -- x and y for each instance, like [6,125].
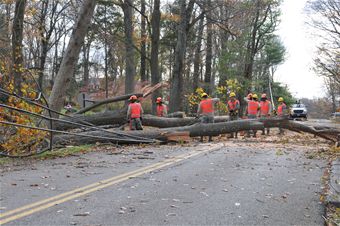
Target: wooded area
[54,51]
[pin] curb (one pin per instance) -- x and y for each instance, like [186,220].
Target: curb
[333,194]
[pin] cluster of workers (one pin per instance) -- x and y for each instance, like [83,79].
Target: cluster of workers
[255,109]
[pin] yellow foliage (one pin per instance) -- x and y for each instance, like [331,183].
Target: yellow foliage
[19,140]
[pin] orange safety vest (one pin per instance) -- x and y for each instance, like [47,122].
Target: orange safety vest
[252,107]
[207,106]
[135,110]
[280,109]
[232,105]
[160,110]
[264,107]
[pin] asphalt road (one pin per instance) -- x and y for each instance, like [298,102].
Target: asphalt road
[241,183]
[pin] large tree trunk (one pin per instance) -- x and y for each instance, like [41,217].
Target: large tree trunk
[70,58]
[182,133]
[86,58]
[143,43]
[197,57]
[130,69]
[176,89]
[155,75]
[119,118]
[17,36]
[164,135]
[208,57]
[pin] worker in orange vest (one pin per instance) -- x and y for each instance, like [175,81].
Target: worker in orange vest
[206,110]
[134,114]
[233,108]
[162,109]
[281,111]
[265,109]
[252,110]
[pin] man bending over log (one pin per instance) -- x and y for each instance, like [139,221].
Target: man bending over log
[134,114]
[206,110]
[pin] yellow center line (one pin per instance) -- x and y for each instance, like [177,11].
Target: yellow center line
[58,199]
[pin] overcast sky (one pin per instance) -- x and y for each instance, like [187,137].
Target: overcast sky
[296,72]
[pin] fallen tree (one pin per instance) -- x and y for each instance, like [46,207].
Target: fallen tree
[107,101]
[146,91]
[184,132]
[119,118]
[164,135]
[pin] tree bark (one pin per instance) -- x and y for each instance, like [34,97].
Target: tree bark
[17,36]
[130,69]
[143,43]
[208,58]
[155,75]
[119,118]
[70,58]
[182,133]
[86,58]
[197,57]
[164,135]
[176,89]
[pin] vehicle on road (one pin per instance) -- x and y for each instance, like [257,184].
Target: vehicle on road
[298,111]
[335,117]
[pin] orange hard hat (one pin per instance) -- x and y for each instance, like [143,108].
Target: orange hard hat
[264,95]
[133,97]
[159,99]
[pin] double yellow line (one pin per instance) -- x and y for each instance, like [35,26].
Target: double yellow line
[29,209]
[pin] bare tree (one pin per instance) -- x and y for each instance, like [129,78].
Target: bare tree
[325,18]
[70,58]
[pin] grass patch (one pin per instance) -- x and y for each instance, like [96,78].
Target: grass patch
[63,152]
[5,160]
[56,153]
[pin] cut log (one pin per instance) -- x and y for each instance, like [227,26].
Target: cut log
[177,114]
[119,117]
